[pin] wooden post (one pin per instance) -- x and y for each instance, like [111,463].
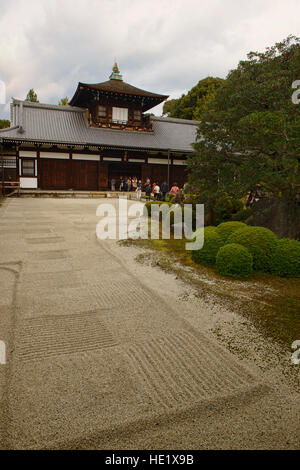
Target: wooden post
[98,165]
[169,169]
[2,165]
[38,166]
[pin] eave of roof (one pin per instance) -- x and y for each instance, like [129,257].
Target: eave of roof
[119,87]
[65,125]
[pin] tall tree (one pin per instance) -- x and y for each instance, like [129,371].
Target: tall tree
[195,102]
[250,132]
[64,101]
[32,96]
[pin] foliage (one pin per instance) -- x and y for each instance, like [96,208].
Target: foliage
[261,243]
[197,100]
[170,198]
[147,206]
[183,212]
[4,123]
[32,96]
[212,244]
[286,259]
[234,260]
[225,207]
[64,102]
[250,133]
[227,228]
[243,214]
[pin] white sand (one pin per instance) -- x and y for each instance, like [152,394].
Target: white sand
[105,352]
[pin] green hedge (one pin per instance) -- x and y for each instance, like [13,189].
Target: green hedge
[286,259]
[227,228]
[234,260]
[260,242]
[212,244]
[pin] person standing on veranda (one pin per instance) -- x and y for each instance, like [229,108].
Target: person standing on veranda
[139,191]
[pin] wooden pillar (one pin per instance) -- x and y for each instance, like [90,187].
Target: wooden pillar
[71,170]
[38,167]
[169,168]
[98,165]
[17,164]
[2,168]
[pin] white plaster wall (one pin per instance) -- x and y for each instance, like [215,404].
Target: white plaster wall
[28,183]
[63,156]
[83,156]
[27,153]
[158,161]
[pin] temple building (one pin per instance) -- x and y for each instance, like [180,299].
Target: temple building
[104,133]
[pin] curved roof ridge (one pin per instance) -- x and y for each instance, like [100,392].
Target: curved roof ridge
[121,87]
[32,104]
[176,120]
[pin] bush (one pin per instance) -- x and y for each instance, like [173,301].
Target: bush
[190,199]
[147,206]
[224,208]
[170,198]
[212,244]
[227,228]
[182,211]
[234,260]
[242,215]
[286,259]
[260,242]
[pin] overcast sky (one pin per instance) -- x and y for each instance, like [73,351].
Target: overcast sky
[164,46]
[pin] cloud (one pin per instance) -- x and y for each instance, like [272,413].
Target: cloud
[165,46]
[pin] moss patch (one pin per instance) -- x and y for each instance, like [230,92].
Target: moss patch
[271,303]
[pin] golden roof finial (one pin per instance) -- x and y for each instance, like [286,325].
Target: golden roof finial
[115,75]
[115,68]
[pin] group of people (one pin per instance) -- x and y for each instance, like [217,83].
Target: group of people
[160,192]
[126,183]
[129,184]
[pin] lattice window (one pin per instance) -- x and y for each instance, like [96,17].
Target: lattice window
[28,167]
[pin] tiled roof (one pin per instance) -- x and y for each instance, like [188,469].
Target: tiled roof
[66,124]
[112,87]
[119,86]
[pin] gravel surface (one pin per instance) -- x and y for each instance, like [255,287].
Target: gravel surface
[105,352]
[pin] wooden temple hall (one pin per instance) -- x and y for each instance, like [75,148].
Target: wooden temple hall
[104,134]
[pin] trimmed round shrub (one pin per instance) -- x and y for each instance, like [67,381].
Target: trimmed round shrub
[212,244]
[243,214]
[234,260]
[260,242]
[227,228]
[286,259]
